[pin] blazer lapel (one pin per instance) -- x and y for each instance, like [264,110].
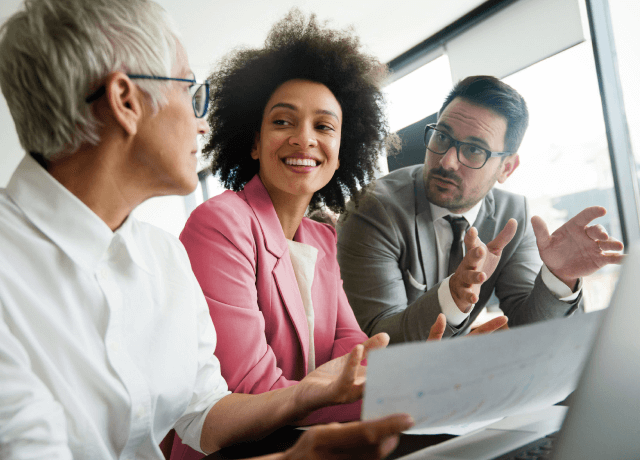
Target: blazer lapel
[283,274]
[426,235]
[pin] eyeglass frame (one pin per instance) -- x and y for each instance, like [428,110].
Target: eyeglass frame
[456,143]
[101,91]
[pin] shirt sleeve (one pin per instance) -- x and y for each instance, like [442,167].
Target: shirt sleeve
[32,422]
[210,386]
[454,316]
[557,287]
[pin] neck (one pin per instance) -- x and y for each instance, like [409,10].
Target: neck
[98,178]
[290,210]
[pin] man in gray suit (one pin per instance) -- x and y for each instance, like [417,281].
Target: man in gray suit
[401,250]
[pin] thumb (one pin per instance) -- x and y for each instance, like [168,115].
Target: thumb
[504,237]
[380,340]
[540,230]
[437,330]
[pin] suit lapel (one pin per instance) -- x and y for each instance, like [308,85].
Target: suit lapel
[486,221]
[283,274]
[426,235]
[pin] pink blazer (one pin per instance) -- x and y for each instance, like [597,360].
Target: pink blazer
[240,256]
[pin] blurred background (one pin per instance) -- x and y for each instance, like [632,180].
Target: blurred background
[584,105]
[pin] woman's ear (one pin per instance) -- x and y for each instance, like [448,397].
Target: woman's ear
[125,101]
[255,154]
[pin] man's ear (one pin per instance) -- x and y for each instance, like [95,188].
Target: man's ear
[125,101]
[254,149]
[509,165]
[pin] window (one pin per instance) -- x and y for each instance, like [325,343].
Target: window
[564,158]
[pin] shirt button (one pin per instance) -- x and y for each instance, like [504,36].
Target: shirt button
[140,412]
[114,346]
[104,274]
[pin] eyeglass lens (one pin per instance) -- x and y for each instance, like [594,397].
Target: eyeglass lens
[468,154]
[200,100]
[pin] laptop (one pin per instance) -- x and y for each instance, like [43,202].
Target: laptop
[603,420]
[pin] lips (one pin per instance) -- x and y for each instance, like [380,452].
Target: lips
[446,181]
[444,176]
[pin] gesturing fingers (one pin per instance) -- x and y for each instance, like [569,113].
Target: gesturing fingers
[596,232]
[474,258]
[471,239]
[490,326]
[504,237]
[610,245]
[372,439]
[585,216]
[437,330]
[380,340]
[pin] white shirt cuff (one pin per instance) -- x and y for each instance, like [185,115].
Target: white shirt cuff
[557,287]
[454,316]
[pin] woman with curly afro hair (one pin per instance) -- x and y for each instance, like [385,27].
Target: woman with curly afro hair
[295,126]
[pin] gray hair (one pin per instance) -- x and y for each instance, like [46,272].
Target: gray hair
[55,53]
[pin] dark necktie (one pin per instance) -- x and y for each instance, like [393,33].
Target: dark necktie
[459,226]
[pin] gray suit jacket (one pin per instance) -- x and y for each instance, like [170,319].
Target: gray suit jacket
[388,260]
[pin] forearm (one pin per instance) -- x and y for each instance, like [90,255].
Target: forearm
[413,322]
[240,417]
[339,413]
[538,304]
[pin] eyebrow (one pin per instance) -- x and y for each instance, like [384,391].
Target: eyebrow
[188,74]
[473,139]
[295,109]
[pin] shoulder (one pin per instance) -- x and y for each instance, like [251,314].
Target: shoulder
[397,186]
[389,198]
[321,232]
[16,232]
[224,213]
[156,242]
[508,203]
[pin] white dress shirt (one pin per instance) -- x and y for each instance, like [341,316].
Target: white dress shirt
[444,240]
[303,258]
[106,342]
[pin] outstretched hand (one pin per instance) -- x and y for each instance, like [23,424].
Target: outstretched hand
[340,380]
[576,249]
[437,330]
[478,265]
[372,439]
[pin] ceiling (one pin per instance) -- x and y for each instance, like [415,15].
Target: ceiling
[211,28]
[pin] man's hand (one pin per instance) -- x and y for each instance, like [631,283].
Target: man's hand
[437,330]
[478,265]
[499,323]
[576,249]
[338,381]
[372,439]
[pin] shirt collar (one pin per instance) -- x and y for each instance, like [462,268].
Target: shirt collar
[63,218]
[131,233]
[438,213]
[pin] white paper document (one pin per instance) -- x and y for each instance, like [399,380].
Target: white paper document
[457,385]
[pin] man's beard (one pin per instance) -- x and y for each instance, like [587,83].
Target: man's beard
[453,204]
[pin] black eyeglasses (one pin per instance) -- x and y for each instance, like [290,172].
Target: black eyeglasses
[199,91]
[469,155]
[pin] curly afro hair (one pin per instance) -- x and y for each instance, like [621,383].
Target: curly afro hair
[297,48]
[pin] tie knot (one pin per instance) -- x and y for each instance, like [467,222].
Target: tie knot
[459,226]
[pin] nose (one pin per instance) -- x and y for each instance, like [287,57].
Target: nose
[450,159]
[202,125]
[304,136]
